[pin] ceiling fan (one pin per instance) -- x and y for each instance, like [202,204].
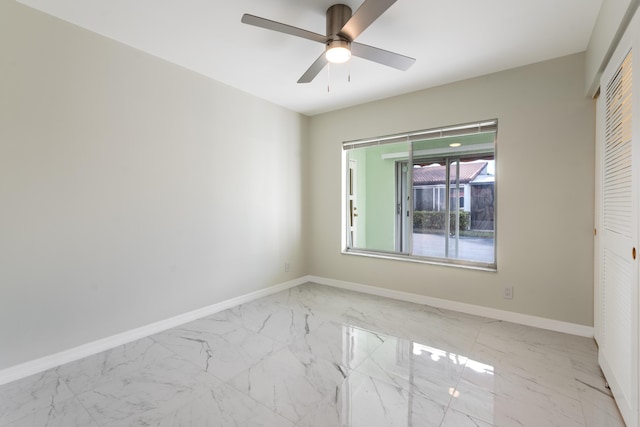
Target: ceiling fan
[342,30]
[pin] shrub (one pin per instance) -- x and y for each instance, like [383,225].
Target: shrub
[434,220]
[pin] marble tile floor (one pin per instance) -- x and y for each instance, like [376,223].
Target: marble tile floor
[315,356]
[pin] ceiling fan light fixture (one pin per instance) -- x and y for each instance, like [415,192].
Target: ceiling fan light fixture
[338,51]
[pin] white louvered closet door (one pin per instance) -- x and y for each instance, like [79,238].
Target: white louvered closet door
[619,172]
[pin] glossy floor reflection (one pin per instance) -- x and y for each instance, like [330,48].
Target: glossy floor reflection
[319,356]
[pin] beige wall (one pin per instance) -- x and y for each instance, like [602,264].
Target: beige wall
[131,190]
[545,175]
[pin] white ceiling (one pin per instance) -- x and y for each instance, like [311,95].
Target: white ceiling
[452,40]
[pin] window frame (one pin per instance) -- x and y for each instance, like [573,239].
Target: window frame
[484,126]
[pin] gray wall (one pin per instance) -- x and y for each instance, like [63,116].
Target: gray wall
[545,185]
[131,190]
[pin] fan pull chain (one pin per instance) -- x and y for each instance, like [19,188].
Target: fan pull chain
[329,77]
[349,75]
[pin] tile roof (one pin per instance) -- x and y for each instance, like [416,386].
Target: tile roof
[432,175]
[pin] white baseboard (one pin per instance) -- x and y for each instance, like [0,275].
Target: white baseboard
[509,316]
[48,362]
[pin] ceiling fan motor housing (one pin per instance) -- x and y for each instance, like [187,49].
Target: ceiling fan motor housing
[337,16]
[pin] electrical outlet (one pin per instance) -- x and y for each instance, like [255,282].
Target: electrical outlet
[507,292]
[286,267]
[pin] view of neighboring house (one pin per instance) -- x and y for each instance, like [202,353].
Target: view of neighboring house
[474,193]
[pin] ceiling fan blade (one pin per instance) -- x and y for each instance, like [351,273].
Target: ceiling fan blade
[382,56]
[282,28]
[368,12]
[315,68]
